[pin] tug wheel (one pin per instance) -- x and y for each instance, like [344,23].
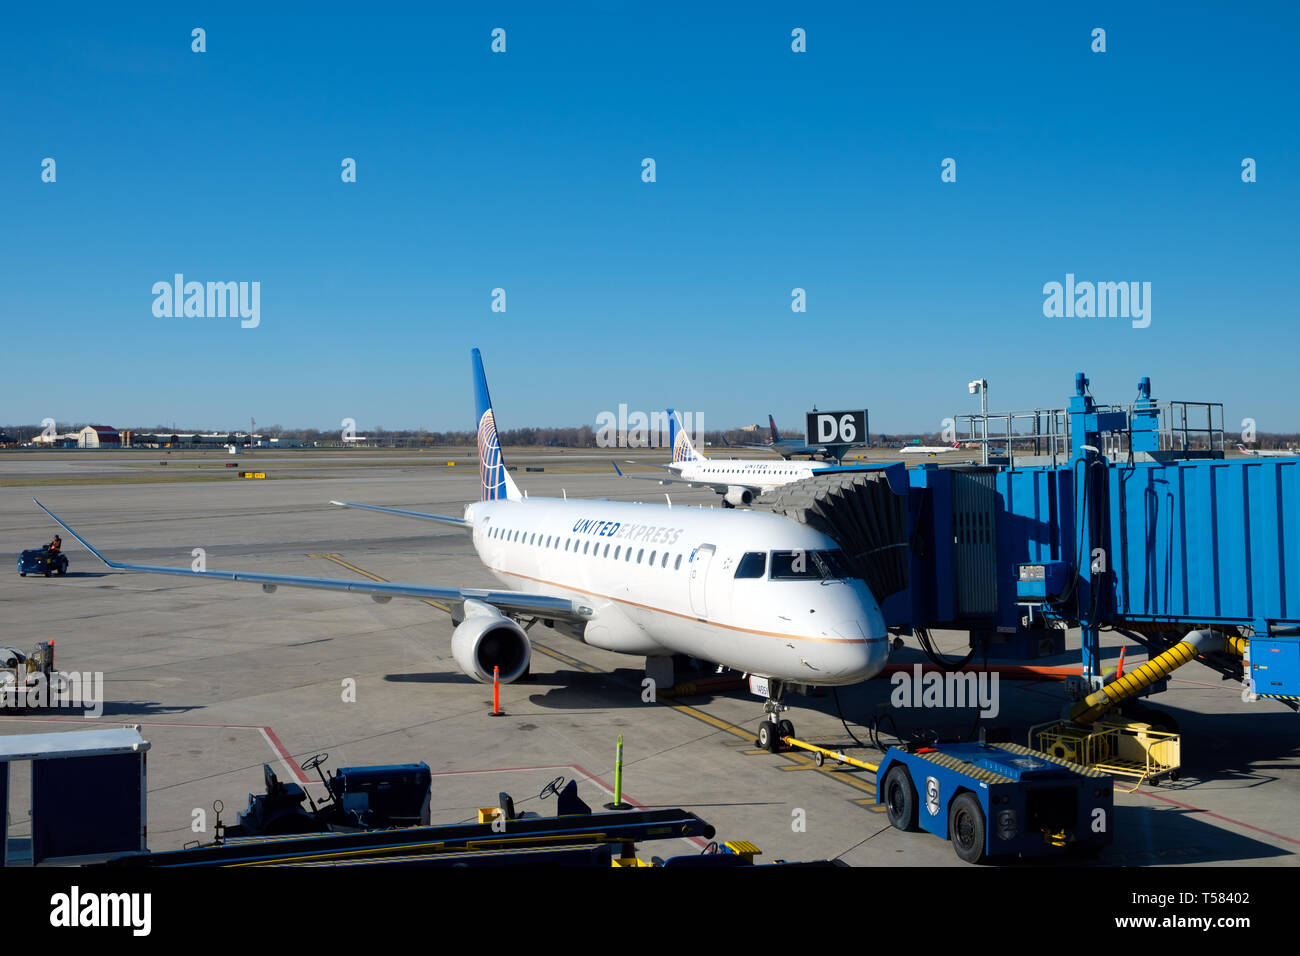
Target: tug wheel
[967,828]
[900,799]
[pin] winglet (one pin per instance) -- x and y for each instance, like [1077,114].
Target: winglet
[617,471]
[88,546]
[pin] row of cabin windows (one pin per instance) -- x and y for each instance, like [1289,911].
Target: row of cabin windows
[753,471]
[535,539]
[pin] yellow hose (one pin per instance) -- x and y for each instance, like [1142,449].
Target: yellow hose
[1160,666]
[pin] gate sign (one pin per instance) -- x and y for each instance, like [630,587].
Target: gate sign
[837,428]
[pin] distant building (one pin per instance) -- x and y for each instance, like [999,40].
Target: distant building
[98,436]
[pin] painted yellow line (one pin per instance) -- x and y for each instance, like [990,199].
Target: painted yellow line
[566,659]
[712,721]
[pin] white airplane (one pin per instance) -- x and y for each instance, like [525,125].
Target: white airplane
[929,449]
[1260,453]
[751,590]
[737,480]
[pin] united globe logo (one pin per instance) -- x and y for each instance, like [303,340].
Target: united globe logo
[492,472]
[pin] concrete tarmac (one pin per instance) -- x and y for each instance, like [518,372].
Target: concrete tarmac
[223,678]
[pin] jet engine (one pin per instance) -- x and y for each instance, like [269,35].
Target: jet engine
[486,638]
[735,497]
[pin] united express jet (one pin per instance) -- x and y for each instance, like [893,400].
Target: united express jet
[751,590]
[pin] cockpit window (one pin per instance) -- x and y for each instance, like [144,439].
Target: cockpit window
[809,566]
[752,565]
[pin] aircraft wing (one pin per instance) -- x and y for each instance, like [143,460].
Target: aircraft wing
[443,519]
[508,602]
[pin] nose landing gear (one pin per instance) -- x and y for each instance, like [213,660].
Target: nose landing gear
[773,728]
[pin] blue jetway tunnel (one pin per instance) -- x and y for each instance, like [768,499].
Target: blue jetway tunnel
[1151,541]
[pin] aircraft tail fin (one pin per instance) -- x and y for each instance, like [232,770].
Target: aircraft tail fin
[495,482]
[683,449]
[776,435]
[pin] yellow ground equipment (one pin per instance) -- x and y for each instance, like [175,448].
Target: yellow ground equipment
[1159,667]
[1117,745]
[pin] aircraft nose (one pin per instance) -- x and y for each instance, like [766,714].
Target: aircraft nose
[866,655]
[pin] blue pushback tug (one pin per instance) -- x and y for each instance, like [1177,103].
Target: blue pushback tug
[996,800]
[42,561]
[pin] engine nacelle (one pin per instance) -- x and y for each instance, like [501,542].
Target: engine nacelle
[736,497]
[487,638]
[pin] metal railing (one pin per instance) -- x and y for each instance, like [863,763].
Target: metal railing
[1187,429]
[1037,433]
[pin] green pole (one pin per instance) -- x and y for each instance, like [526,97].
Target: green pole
[618,773]
[618,803]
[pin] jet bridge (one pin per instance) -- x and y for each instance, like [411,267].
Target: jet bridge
[1155,543]
[1164,538]
[865,511]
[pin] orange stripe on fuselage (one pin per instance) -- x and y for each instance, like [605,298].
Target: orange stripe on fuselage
[688,617]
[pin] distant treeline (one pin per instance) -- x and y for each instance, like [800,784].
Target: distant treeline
[581,437]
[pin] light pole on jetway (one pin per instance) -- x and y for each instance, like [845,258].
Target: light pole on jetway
[981,385]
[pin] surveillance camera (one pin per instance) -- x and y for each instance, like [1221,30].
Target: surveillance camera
[973,386]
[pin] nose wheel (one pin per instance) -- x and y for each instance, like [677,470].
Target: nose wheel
[773,729]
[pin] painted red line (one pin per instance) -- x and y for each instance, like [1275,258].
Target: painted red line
[1219,816]
[289,762]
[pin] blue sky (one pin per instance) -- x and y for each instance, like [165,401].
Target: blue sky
[522,170]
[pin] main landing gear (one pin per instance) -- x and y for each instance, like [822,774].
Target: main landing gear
[773,728]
